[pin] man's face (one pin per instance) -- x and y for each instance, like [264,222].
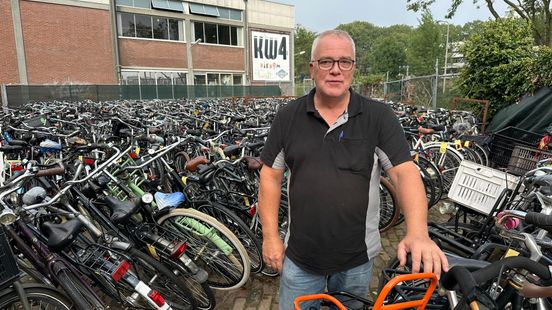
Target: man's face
[334,82]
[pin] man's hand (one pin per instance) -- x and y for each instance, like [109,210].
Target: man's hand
[423,250]
[273,253]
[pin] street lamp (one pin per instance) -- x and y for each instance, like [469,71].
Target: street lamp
[446,55]
[300,53]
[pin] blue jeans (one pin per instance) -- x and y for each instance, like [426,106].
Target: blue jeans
[295,282]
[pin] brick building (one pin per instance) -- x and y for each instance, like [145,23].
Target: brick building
[146,42]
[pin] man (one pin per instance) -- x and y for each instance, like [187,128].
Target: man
[333,141]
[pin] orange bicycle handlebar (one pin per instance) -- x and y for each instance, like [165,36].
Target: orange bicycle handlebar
[378,305]
[419,304]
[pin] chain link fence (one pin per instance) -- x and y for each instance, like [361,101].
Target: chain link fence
[17,95]
[422,91]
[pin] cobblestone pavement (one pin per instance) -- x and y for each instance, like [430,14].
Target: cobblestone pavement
[261,292]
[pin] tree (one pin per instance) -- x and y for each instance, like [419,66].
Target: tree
[425,47]
[388,55]
[537,13]
[303,39]
[500,63]
[365,35]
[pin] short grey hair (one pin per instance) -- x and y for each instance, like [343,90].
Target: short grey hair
[337,33]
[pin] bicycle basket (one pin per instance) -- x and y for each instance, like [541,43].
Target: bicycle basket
[8,265]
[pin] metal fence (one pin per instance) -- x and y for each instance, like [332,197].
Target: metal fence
[429,91]
[17,95]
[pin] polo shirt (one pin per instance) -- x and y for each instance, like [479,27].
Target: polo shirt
[333,179]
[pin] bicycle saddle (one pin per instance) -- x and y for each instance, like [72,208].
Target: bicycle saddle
[253,163]
[164,200]
[232,150]
[11,148]
[61,235]
[122,210]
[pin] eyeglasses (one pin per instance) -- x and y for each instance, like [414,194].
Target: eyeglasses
[327,63]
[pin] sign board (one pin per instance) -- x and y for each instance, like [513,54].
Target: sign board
[271,59]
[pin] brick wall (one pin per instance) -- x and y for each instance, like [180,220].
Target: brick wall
[217,57]
[67,44]
[8,58]
[150,53]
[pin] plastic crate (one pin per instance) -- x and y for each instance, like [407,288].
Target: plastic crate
[478,187]
[8,265]
[505,140]
[525,158]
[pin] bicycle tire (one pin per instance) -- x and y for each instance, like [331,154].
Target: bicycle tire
[173,289]
[447,162]
[389,209]
[434,174]
[240,229]
[81,297]
[44,296]
[229,273]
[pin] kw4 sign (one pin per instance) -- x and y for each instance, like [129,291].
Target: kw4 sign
[271,61]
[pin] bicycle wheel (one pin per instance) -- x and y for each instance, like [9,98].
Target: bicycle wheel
[447,162]
[39,297]
[240,229]
[434,175]
[80,295]
[212,246]
[160,278]
[389,209]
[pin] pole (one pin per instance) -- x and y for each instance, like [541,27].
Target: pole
[434,99]
[446,60]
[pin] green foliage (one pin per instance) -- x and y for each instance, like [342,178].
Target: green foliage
[388,55]
[364,34]
[303,39]
[425,46]
[501,63]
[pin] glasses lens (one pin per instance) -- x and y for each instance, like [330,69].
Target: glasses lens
[325,64]
[345,64]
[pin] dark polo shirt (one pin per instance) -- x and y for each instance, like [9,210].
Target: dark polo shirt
[334,179]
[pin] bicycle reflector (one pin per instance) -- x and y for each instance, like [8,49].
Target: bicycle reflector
[157,298]
[120,271]
[179,250]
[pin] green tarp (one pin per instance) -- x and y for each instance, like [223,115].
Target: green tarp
[532,113]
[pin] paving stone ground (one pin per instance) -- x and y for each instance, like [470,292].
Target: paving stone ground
[261,292]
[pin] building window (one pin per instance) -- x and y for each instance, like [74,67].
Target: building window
[212,79]
[169,5]
[217,34]
[199,79]
[159,78]
[146,4]
[213,11]
[150,27]
[237,79]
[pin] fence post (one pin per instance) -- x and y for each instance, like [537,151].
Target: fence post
[4,93]
[436,84]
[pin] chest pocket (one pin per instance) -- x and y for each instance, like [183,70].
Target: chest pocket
[353,154]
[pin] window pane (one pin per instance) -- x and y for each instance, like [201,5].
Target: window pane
[124,2]
[142,4]
[233,36]
[237,79]
[179,78]
[211,10]
[143,26]
[197,8]
[164,78]
[129,77]
[173,30]
[159,4]
[224,34]
[226,79]
[176,6]
[127,24]
[212,78]
[147,78]
[224,13]
[199,79]
[198,29]
[211,33]
[160,28]
[235,14]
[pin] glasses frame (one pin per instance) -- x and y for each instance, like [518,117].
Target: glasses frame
[334,62]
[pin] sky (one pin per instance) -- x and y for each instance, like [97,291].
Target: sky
[320,15]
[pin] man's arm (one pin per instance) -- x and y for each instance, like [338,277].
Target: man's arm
[411,197]
[269,203]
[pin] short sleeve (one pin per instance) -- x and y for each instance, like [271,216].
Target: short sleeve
[391,141]
[274,144]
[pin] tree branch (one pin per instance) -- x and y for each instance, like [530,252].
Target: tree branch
[491,9]
[516,8]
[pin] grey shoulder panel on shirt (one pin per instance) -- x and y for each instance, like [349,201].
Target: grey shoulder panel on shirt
[279,161]
[383,159]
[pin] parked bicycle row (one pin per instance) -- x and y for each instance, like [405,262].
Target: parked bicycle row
[153,204]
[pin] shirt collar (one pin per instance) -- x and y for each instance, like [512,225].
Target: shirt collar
[352,109]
